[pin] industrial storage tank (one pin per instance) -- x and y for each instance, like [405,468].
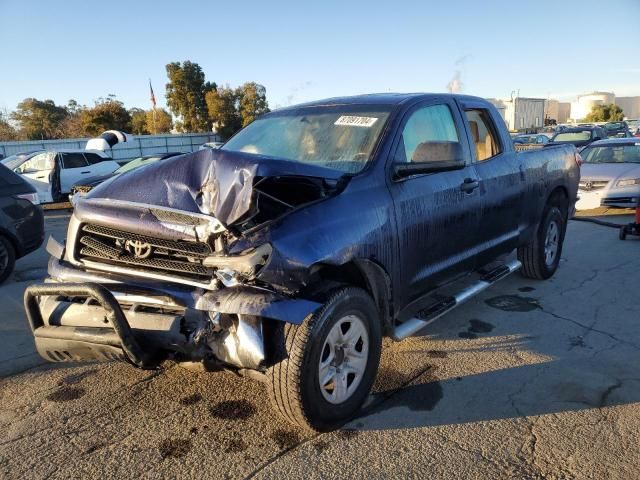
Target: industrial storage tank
[581,108]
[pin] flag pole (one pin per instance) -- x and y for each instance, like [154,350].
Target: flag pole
[153,103]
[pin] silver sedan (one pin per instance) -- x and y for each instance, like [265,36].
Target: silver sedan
[610,174]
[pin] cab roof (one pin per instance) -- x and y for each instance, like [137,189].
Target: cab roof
[380,99]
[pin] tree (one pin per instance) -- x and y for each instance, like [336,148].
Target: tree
[39,120]
[605,113]
[138,121]
[252,102]
[107,114]
[162,123]
[186,92]
[7,132]
[222,104]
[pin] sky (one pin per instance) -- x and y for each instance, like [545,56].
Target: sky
[302,51]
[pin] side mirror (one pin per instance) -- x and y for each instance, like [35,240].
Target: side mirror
[403,170]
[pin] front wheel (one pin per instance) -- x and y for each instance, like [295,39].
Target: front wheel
[540,258]
[7,258]
[329,362]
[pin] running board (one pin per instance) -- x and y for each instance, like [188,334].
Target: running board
[431,314]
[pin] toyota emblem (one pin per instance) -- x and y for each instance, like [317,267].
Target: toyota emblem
[138,249]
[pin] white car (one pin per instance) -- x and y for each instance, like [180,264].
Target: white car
[53,173]
[212,145]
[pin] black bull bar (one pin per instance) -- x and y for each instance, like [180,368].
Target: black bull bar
[119,326]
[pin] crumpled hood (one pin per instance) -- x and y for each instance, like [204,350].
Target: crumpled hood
[213,182]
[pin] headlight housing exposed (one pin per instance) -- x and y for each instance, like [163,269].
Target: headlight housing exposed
[627,182]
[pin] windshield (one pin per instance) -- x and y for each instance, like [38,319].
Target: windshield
[612,154]
[333,137]
[572,136]
[14,161]
[136,163]
[614,126]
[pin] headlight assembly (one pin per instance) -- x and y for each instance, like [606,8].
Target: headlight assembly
[627,182]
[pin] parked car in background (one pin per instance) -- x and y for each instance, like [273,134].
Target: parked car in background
[53,173]
[634,127]
[617,129]
[14,161]
[213,145]
[21,220]
[288,253]
[534,139]
[580,137]
[85,186]
[610,174]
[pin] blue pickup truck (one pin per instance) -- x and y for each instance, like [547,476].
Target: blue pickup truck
[290,252]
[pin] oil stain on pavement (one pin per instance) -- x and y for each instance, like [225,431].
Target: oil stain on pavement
[174,447]
[191,399]
[233,410]
[66,394]
[475,327]
[285,439]
[513,303]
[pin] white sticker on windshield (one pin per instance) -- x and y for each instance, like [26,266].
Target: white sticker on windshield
[351,121]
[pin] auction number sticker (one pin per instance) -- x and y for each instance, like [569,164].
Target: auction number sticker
[351,121]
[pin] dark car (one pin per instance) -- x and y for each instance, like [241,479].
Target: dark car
[617,129]
[531,139]
[90,183]
[21,220]
[288,253]
[580,137]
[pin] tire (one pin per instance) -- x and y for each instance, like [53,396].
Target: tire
[306,350]
[622,233]
[7,258]
[535,256]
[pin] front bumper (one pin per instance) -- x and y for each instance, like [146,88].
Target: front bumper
[80,315]
[114,339]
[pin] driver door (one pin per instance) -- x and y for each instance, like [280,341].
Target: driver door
[38,172]
[437,214]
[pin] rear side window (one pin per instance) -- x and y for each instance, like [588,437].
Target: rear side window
[94,158]
[483,134]
[73,160]
[430,135]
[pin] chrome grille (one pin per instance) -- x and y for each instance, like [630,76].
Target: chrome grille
[116,247]
[590,185]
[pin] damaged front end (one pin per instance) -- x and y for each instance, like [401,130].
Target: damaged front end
[167,262]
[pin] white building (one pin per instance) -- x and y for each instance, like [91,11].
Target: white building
[558,111]
[583,105]
[630,106]
[522,113]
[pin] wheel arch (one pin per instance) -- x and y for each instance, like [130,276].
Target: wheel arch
[363,273]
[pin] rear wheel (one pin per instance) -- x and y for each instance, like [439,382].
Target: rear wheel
[622,234]
[7,258]
[329,362]
[540,258]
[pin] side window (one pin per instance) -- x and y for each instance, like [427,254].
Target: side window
[94,158]
[483,134]
[73,160]
[42,161]
[430,135]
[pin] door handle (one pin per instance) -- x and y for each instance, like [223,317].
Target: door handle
[469,185]
[42,176]
[86,171]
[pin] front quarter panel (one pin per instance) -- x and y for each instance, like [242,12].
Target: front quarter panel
[356,224]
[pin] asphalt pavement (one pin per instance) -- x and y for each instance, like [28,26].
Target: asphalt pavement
[528,380]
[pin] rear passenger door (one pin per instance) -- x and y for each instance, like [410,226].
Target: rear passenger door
[501,179]
[74,167]
[436,213]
